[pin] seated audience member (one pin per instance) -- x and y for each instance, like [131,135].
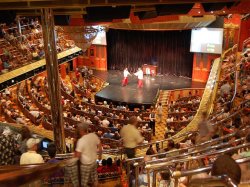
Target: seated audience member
[225,165]
[52,153]
[170,119]
[105,104]
[225,89]
[59,174]
[31,156]
[163,179]
[108,135]
[150,150]
[143,179]
[117,136]
[103,167]
[105,123]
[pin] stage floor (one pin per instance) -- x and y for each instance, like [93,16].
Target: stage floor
[130,94]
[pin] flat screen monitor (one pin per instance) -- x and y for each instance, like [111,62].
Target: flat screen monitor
[100,38]
[207,40]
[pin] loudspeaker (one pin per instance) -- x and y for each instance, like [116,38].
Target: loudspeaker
[146,14]
[173,9]
[208,7]
[107,13]
[61,20]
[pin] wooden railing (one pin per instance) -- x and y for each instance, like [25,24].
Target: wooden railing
[20,175]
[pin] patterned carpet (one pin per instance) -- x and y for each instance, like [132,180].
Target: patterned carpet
[159,126]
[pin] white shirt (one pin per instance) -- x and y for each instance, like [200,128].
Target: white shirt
[170,119]
[35,113]
[126,73]
[139,74]
[159,109]
[31,157]
[131,136]
[87,146]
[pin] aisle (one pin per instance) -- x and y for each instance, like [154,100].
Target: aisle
[160,126]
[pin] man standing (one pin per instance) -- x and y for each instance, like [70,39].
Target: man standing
[131,137]
[125,77]
[152,121]
[86,149]
[159,111]
[139,74]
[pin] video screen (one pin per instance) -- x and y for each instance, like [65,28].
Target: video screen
[100,39]
[207,40]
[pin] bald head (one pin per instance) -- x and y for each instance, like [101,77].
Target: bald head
[83,127]
[133,120]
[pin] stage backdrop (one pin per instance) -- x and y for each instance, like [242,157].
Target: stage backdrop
[169,50]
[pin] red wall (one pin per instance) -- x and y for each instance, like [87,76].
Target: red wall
[244,32]
[201,66]
[95,57]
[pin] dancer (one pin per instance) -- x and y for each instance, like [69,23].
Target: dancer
[139,74]
[125,77]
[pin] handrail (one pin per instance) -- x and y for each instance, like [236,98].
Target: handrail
[230,116]
[236,77]
[164,140]
[24,176]
[181,155]
[136,160]
[178,174]
[188,148]
[155,163]
[196,151]
[192,147]
[221,180]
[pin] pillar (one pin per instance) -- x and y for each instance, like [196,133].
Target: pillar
[53,78]
[19,28]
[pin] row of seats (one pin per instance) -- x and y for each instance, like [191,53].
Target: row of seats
[18,49]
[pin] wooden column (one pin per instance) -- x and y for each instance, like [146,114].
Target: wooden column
[53,78]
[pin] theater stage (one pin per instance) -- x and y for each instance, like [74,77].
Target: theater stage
[134,96]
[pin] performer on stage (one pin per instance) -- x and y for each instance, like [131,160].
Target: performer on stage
[139,74]
[125,77]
